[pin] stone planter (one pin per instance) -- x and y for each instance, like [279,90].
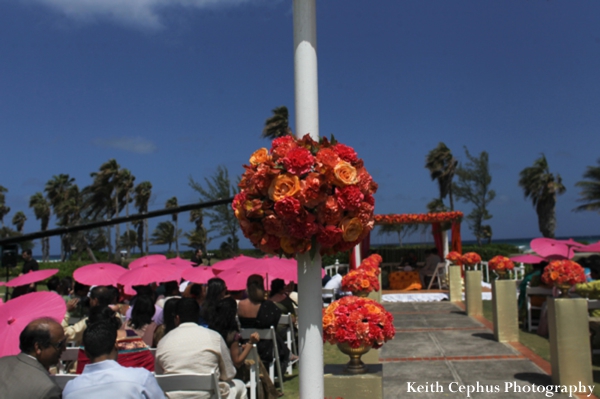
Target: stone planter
[504,307]
[454,283]
[570,353]
[473,301]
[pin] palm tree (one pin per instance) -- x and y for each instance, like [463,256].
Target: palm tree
[129,240]
[57,192]
[278,124]
[442,167]
[172,203]
[542,187]
[4,210]
[590,189]
[198,238]
[41,209]
[125,189]
[143,191]
[18,221]
[165,234]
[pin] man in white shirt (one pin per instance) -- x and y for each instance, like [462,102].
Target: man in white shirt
[190,348]
[104,377]
[431,262]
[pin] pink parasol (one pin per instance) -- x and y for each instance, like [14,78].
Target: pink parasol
[269,268]
[182,263]
[17,313]
[99,274]
[198,275]
[555,249]
[146,260]
[527,258]
[229,263]
[31,277]
[148,274]
[589,248]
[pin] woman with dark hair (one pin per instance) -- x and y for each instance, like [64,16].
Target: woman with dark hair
[133,352]
[216,290]
[169,311]
[141,319]
[280,297]
[256,312]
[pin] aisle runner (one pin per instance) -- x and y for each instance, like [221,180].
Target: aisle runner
[431,297]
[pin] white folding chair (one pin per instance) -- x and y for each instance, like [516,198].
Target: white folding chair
[290,339]
[190,382]
[252,361]
[440,270]
[268,334]
[68,357]
[62,379]
[328,296]
[531,322]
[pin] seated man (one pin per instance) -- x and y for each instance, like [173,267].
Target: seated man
[190,348]
[431,262]
[25,375]
[104,377]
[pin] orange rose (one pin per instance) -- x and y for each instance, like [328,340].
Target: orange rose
[345,174]
[328,319]
[292,245]
[285,185]
[351,229]
[364,283]
[259,156]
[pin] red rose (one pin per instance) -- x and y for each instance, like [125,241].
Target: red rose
[349,197]
[328,236]
[329,212]
[281,145]
[328,157]
[303,227]
[288,208]
[313,190]
[346,153]
[273,226]
[298,161]
[365,212]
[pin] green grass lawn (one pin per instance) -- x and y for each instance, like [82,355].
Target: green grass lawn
[541,346]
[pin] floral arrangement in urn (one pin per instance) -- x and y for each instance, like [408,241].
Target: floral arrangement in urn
[563,274]
[357,322]
[363,279]
[455,258]
[500,264]
[302,193]
[470,259]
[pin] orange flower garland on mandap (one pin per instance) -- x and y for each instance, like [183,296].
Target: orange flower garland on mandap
[357,321]
[304,192]
[414,218]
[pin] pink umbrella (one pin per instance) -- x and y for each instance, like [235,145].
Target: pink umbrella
[199,275]
[555,249]
[17,313]
[178,262]
[146,260]
[31,277]
[531,259]
[99,274]
[229,263]
[269,268]
[589,248]
[148,274]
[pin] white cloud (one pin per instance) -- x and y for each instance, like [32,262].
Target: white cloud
[132,144]
[140,13]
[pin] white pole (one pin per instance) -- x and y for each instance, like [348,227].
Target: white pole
[310,329]
[445,243]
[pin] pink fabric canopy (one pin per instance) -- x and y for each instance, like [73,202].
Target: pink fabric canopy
[31,277]
[99,274]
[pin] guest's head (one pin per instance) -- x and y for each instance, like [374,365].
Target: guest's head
[197,291]
[43,339]
[27,254]
[225,322]
[277,287]
[54,284]
[255,286]
[142,312]
[169,313]
[593,262]
[172,288]
[66,285]
[216,289]
[103,313]
[540,266]
[188,311]
[81,289]
[102,296]
[99,341]
[198,253]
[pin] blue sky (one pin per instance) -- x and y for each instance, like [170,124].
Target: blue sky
[172,89]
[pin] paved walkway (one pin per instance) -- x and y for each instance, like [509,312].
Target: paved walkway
[438,347]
